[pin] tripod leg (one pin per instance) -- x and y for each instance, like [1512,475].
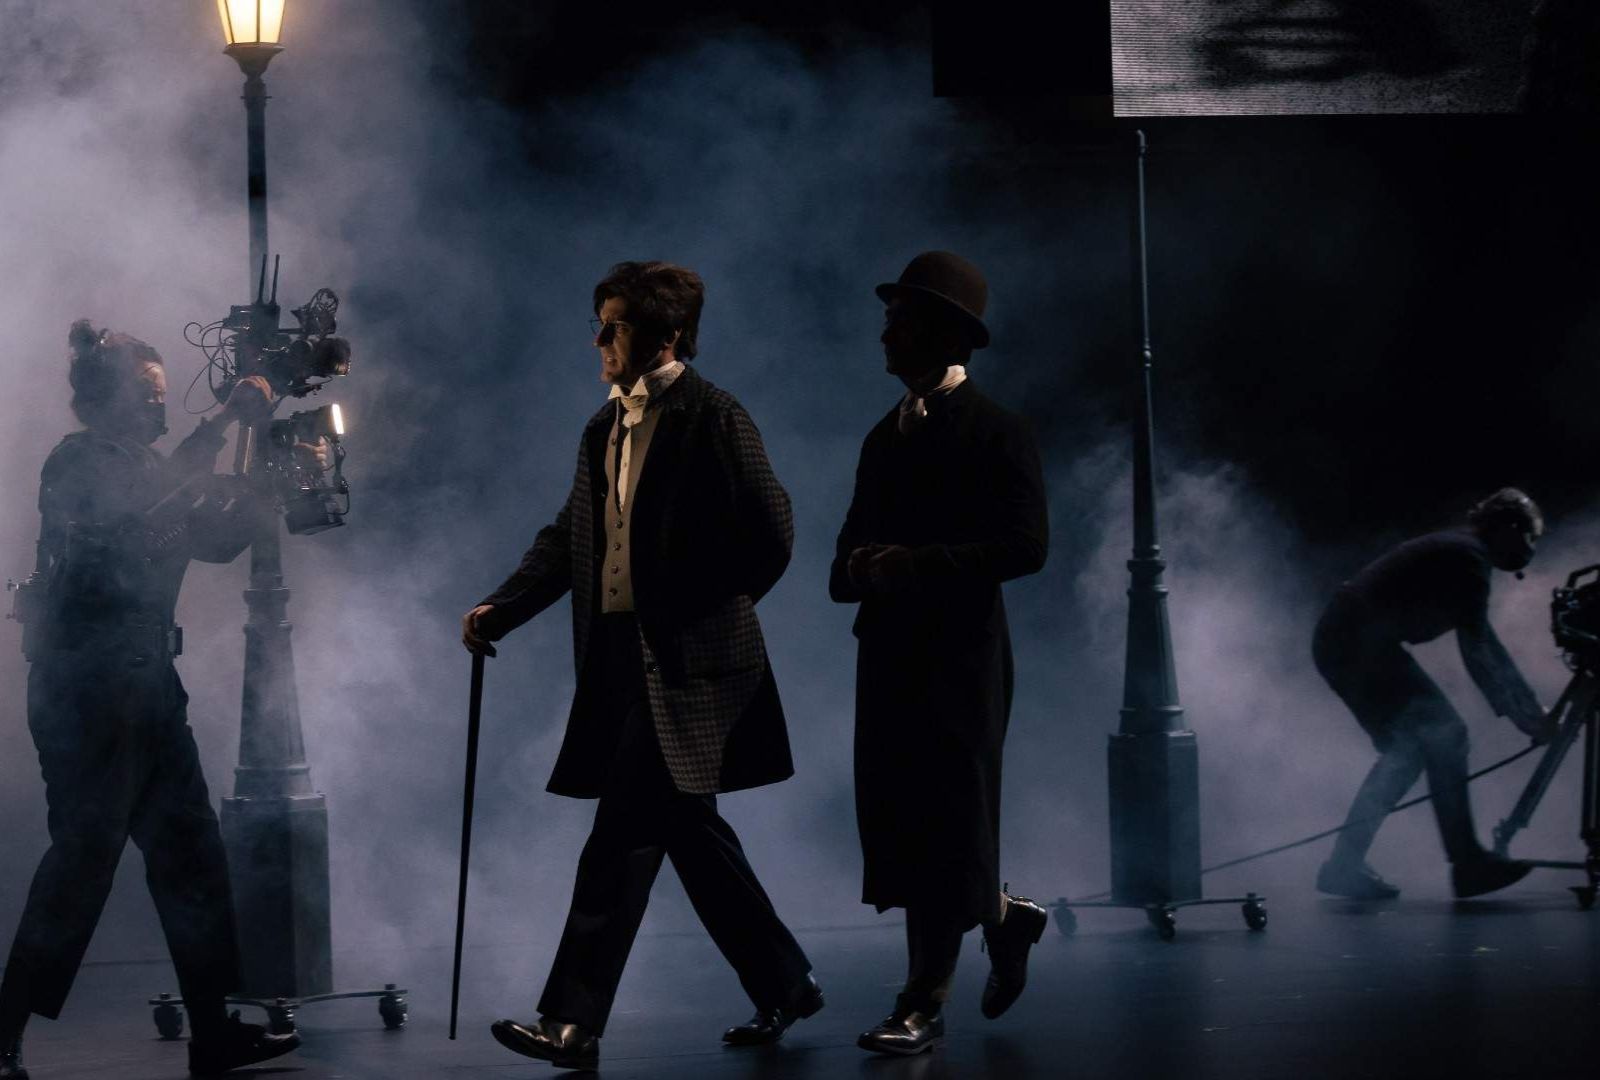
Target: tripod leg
[1575,706]
[1591,808]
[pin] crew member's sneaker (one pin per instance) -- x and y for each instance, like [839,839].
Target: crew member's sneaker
[237,1044]
[1486,873]
[11,1063]
[1358,881]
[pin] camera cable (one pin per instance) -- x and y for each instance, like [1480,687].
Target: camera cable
[1325,833]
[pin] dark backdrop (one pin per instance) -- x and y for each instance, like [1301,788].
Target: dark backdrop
[1360,324]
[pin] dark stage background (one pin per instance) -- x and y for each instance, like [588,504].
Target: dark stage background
[1360,325]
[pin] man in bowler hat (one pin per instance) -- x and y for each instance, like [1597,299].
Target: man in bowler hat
[949,502]
[674,529]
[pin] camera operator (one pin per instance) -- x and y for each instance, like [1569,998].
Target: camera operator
[106,709]
[1421,590]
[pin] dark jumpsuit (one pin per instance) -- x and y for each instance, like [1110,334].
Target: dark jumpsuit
[107,714]
[1421,590]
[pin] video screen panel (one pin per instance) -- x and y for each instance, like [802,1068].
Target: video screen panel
[1306,57]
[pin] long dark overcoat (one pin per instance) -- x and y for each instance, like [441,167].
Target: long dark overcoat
[711,533]
[965,492]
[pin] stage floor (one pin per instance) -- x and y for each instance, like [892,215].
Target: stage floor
[1508,987]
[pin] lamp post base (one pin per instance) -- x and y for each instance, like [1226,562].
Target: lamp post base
[1155,817]
[277,849]
[1155,835]
[278,863]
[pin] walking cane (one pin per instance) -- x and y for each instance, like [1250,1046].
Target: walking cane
[474,709]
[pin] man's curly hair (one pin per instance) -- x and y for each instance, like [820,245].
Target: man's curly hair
[661,298]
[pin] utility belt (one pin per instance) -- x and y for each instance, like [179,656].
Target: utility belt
[141,639]
[153,641]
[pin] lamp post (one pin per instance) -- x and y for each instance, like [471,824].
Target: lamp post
[275,826]
[1153,760]
[252,29]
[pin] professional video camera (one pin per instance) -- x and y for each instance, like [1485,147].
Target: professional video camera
[311,494]
[284,455]
[1575,619]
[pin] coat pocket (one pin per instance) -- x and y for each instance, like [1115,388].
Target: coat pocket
[724,641]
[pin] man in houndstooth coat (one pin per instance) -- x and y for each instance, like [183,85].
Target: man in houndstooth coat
[675,527]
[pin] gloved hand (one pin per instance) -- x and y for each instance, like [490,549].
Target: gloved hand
[251,399]
[1541,728]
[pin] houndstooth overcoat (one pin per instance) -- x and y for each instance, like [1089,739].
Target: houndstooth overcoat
[711,533]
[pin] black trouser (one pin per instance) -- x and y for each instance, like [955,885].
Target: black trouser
[1414,728]
[641,818]
[119,761]
[933,944]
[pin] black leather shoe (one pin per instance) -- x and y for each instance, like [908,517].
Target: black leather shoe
[768,1025]
[236,1045]
[11,1063]
[1486,873]
[1008,946]
[908,1030]
[566,1046]
[1358,881]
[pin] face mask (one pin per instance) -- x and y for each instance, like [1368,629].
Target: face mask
[151,420]
[1514,552]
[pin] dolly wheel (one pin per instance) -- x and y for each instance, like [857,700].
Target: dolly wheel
[169,1019]
[392,1007]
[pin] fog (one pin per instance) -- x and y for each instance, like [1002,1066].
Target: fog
[793,184]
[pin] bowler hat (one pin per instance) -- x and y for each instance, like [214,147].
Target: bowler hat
[948,278]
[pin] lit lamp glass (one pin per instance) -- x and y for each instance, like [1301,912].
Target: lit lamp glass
[338,419]
[251,22]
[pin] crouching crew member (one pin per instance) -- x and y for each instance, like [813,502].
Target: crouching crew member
[1421,590]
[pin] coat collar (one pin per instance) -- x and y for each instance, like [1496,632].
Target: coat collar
[675,398]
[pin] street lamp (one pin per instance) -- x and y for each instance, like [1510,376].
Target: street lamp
[247,23]
[1153,758]
[251,29]
[275,825]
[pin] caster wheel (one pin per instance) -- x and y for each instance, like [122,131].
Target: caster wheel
[1165,920]
[280,1018]
[1585,895]
[1066,921]
[392,1007]
[168,1018]
[1255,915]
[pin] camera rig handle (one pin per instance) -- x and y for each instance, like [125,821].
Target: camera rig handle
[1579,574]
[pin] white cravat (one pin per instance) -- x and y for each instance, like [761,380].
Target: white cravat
[914,407]
[634,403]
